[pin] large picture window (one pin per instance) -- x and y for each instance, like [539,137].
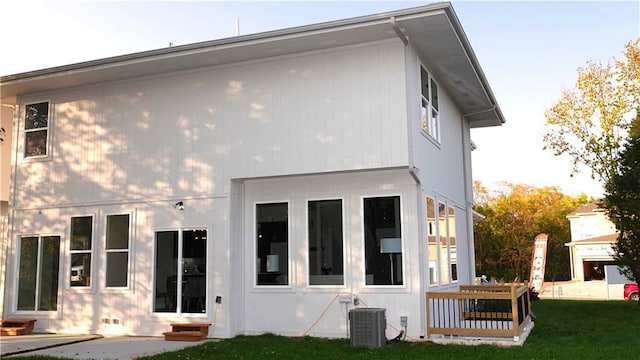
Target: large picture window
[36,129]
[383,241]
[272,244]
[429,105]
[117,250]
[80,251]
[326,253]
[441,242]
[38,273]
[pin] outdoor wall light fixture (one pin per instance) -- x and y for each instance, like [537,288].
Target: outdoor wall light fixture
[179,205]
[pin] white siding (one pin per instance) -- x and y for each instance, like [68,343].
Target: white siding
[439,165]
[443,168]
[188,134]
[81,310]
[585,226]
[210,138]
[6,122]
[293,309]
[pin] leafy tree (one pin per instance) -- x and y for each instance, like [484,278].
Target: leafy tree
[622,202]
[589,122]
[514,215]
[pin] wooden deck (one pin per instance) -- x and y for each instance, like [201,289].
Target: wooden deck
[479,311]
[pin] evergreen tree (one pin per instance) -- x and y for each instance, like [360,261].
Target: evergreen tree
[622,202]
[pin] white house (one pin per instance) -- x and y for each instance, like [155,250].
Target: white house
[264,183]
[592,236]
[6,123]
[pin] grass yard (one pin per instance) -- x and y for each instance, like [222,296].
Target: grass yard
[564,329]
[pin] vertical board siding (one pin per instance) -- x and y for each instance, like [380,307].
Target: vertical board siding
[188,134]
[292,310]
[440,164]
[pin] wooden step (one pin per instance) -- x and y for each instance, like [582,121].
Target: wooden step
[184,336]
[15,327]
[14,331]
[194,331]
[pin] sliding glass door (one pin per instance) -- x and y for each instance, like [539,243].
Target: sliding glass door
[180,271]
[38,273]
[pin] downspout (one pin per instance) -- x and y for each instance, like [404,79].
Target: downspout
[468,192]
[396,28]
[413,171]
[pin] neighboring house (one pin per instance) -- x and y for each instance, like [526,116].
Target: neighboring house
[592,236]
[261,183]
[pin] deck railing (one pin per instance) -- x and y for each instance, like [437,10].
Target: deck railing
[479,311]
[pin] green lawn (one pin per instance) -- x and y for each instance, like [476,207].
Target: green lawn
[564,329]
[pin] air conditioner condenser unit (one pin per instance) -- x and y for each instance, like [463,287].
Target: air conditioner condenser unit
[367,327]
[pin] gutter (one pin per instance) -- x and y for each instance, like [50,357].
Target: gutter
[475,64]
[231,41]
[492,108]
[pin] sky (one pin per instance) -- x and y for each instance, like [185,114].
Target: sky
[529,52]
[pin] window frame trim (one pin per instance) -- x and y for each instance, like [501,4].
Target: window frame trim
[428,133]
[443,226]
[436,243]
[363,271]
[180,229]
[130,253]
[22,121]
[91,288]
[451,206]
[290,280]
[345,276]
[45,314]
[448,204]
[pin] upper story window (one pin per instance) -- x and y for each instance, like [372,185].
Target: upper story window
[36,129]
[429,107]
